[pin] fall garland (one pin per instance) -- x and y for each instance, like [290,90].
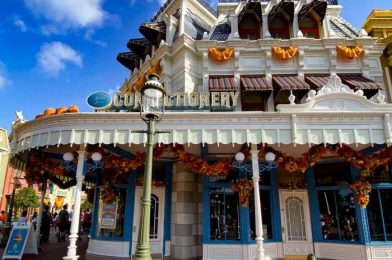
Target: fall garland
[361,189]
[220,54]
[155,68]
[350,52]
[285,53]
[60,110]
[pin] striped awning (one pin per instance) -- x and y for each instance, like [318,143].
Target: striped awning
[354,81]
[317,82]
[357,81]
[222,83]
[290,83]
[255,83]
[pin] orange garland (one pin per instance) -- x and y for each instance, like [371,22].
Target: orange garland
[284,53]
[60,110]
[220,54]
[350,52]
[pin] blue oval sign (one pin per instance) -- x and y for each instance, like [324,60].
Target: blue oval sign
[99,100]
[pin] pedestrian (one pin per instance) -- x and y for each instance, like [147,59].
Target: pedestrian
[3,216]
[63,223]
[86,221]
[23,218]
[45,225]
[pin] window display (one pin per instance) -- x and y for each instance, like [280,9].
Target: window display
[379,214]
[111,216]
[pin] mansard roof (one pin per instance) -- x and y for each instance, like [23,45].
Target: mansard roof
[221,31]
[194,26]
[129,60]
[140,46]
[154,32]
[342,28]
[319,6]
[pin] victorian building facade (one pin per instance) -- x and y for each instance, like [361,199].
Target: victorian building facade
[289,77]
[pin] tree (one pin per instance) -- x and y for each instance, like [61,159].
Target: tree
[86,205]
[26,198]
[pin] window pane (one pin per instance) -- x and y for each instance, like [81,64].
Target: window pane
[111,216]
[386,198]
[333,174]
[328,215]
[337,214]
[346,213]
[224,214]
[374,217]
[154,211]
[265,213]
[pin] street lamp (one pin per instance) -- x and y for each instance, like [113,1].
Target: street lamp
[151,112]
[256,169]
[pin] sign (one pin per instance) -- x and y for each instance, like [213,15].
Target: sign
[21,240]
[99,100]
[109,215]
[181,101]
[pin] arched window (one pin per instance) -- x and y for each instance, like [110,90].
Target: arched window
[279,27]
[154,213]
[309,27]
[249,27]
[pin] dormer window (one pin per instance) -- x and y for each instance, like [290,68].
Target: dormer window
[249,27]
[279,27]
[309,27]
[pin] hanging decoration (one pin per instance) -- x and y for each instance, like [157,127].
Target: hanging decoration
[60,110]
[284,53]
[350,52]
[244,188]
[220,54]
[108,194]
[361,189]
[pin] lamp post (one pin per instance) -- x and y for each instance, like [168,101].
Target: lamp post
[151,112]
[256,169]
[81,169]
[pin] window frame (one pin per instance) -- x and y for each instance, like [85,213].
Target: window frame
[315,30]
[285,30]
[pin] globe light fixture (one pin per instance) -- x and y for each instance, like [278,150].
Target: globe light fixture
[96,157]
[270,157]
[68,157]
[152,98]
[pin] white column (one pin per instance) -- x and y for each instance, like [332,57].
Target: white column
[266,32]
[258,219]
[71,254]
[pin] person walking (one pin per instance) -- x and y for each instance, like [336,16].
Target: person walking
[46,222]
[63,223]
[23,218]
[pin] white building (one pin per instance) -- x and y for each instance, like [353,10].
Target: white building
[291,77]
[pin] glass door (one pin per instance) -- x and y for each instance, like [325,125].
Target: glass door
[156,219]
[296,226]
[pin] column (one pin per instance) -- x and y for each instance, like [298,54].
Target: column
[260,254]
[186,213]
[71,254]
[39,217]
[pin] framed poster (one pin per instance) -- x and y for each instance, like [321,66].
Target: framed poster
[109,215]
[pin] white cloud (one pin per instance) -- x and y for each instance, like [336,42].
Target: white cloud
[68,14]
[20,24]
[53,57]
[3,79]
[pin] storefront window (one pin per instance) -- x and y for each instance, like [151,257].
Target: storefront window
[337,214]
[154,213]
[224,214]
[265,213]
[111,216]
[379,213]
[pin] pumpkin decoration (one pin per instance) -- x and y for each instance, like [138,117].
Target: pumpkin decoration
[73,109]
[350,52]
[61,110]
[49,111]
[284,53]
[39,115]
[220,54]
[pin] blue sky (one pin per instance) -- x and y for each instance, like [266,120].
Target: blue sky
[55,53]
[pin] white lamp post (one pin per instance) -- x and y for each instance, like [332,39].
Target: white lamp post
[80,172]
[256,169]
